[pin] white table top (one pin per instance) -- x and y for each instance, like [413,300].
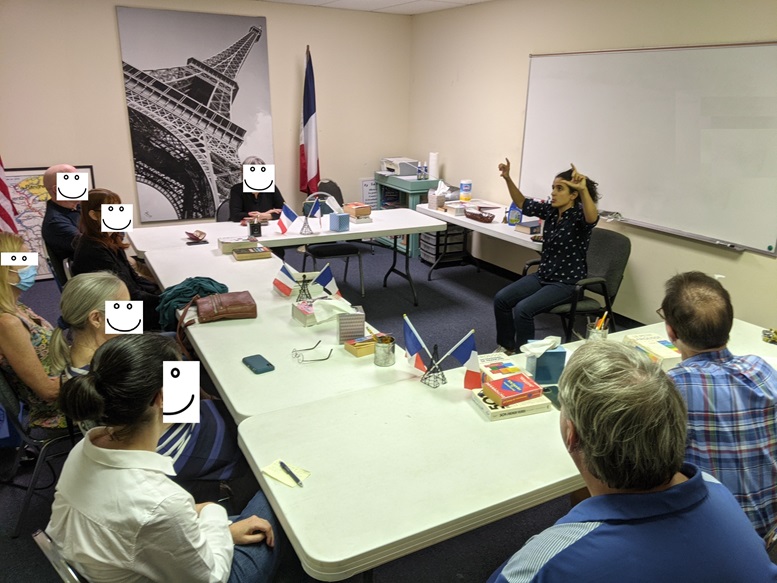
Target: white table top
[385,223]
[396,468]
[495,229]
[399,467]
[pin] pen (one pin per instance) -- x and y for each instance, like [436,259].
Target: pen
[601,322]
[291,474]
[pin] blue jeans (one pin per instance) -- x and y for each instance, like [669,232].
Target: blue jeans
[258,562]
[516,305]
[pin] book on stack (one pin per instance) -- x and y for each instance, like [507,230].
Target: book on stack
[357,209]
[259,252]
[495,412]
[360,220]
[658,348]
[495,366]
[229,244]
[529,226]
[513,389]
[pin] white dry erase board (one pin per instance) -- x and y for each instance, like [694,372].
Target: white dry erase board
[681,140]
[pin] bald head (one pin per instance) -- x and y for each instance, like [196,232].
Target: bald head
[50,183]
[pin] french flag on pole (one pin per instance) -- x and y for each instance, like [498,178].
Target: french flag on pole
[326,280]
[315,210]
[308,133]
[286,219]
[466,353]
[413,347]
[285,281]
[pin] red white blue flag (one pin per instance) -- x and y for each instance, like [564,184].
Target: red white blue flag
[287,217]
[285,281]
[466,353]
[308,134]
[7,210]
[315,210]
[413,347]
[326,280]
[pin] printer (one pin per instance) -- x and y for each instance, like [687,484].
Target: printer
[400,166]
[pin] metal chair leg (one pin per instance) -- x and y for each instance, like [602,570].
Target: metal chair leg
[345,273]
[361,273]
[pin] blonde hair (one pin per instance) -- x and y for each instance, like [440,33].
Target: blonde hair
[629,417]
[83,294]
[9,242]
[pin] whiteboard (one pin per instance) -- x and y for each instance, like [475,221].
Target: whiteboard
[681,140]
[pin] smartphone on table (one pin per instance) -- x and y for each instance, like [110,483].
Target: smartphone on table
[258,364]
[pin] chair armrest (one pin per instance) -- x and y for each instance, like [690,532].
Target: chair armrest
[528,264]
[595,284]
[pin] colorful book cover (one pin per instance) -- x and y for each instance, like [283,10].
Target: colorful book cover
[513,389]
[495,366]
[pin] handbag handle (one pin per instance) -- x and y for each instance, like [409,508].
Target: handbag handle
[180,330]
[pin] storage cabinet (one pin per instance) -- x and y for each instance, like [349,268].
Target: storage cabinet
[402,192]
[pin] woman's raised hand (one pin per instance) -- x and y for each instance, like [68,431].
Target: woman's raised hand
[504,169]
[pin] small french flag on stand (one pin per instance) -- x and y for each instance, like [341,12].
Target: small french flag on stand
[326,280]
[315,210]
[413,346]
[466,353]
[287,217]
[285,281]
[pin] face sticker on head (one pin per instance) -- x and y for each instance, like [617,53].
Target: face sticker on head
[123,317]
[19,258]
[181,391]
[259,178]
[115,218]
[72,186]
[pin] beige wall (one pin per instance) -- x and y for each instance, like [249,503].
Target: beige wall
[63,93]
[453,81]
[469,96]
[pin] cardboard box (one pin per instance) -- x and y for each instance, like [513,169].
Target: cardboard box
[357,209]
[363,346]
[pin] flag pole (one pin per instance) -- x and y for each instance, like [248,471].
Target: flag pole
[417,335]
[459,343]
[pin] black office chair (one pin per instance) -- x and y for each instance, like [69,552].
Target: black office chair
[65,570]
[44,443]
[343,250]
[222,213]
[607,257]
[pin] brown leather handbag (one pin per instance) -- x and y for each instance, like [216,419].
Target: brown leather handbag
[229,306]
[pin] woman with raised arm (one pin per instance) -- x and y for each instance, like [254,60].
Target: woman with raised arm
[569,217]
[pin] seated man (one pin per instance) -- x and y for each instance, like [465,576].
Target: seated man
[60,223]
[650,517]
[731,400]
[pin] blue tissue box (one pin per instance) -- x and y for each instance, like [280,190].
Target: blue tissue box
[550,366]
[339,222]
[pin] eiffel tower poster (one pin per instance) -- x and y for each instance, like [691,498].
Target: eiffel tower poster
[198,99]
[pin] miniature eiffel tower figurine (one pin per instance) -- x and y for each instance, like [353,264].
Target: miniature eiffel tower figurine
[304,291]
[305,230]
[434,377]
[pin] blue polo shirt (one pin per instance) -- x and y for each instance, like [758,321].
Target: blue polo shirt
[694,532]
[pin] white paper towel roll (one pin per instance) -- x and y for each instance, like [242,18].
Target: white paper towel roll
[434,165]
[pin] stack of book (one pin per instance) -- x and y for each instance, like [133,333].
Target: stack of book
[495,366]
[259,252]
[493,411]
[530,226]
[658,348]
[229,244]
[513,389]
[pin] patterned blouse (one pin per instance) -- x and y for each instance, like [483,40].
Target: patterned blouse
[42,413]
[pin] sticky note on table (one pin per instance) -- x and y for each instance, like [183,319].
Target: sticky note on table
[275,471]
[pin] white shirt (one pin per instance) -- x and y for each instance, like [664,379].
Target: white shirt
[119,518]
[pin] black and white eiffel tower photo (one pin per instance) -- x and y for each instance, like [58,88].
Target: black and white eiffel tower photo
[198,100]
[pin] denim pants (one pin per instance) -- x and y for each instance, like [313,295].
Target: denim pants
[516,305]
[257,562]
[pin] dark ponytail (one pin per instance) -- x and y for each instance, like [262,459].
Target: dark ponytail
[590,184]
[124,378]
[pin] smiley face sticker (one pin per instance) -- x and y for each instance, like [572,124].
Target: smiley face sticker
[123,317]
[19,258]
[116,218]
[72,186]
[181,391]
[259,178]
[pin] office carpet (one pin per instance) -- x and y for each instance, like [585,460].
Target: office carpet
[456,300]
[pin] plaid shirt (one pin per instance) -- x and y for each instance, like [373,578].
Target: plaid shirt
[732,427]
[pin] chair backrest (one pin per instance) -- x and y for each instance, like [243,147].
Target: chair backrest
[64,569]
[607,257]
[55,266]
[332,189]
[9,399]
[328,203]
[222,213]
[66,268]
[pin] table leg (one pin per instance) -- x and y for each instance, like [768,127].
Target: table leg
[441,256]
[406,275]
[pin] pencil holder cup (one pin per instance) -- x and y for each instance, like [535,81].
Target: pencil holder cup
[384,351]
[594,333]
